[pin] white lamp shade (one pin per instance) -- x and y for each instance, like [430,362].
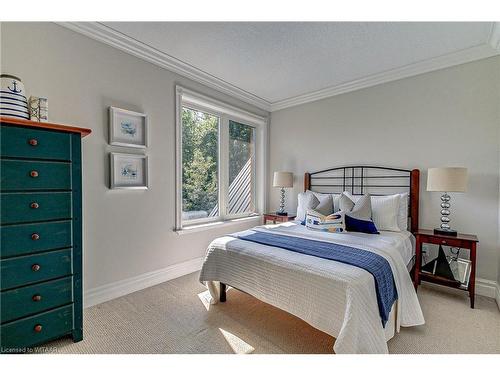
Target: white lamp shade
[283,179]
[449,179]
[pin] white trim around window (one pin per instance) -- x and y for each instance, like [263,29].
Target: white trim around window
[225,112]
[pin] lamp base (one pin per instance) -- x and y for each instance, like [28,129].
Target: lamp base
[445,232]
[281,213]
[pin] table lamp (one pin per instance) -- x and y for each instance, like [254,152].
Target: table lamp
[448,179]
[282,180]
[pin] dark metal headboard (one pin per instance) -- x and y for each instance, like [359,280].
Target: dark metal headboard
[363,179]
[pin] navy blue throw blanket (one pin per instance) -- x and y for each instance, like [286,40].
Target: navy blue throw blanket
[377,265]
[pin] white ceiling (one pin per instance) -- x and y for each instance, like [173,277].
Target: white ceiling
[275,65]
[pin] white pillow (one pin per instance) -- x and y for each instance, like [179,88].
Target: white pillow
[387,213]
[335,198]
[306,201]
[403,212]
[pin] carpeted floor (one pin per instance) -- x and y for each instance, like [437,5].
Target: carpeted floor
[174,317]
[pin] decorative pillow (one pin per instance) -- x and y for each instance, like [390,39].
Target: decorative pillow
[358,214]
[354,198]
[331,223]
[322,196]
[306,201]
[357,225]
[361,209]
[345,203]
[325,206]
[385,212]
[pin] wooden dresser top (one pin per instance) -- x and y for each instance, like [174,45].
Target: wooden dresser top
[45,125]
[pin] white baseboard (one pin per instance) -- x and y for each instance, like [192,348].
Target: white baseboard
[120,288]
[486,288]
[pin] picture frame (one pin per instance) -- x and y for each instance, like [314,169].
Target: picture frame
[127,128]
[128,171]
[462,271]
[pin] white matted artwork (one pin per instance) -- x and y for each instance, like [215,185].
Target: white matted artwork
[127,128]
[128,171]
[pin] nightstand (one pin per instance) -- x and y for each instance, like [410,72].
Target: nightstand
[275,218]
[462,241]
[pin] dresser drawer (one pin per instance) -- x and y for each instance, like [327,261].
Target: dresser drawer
[35,175]
[35,144]
[29,300]
[28,269]
[29,207]
[31,238]
[37,329]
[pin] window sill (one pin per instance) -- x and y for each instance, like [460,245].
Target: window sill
[218,224]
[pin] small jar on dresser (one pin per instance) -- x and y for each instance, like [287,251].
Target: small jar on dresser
[41,233]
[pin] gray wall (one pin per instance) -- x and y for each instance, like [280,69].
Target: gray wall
[126,233]
[448,117]
[444,118]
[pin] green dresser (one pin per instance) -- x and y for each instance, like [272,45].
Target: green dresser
[40,233]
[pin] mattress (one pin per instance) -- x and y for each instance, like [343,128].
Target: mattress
[336,298]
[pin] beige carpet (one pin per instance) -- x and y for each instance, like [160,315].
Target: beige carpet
[173,318]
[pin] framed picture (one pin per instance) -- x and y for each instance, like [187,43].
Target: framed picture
[461,269]
[128,171]
[127,128]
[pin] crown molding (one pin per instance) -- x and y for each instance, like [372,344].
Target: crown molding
[456,58]
[107,35]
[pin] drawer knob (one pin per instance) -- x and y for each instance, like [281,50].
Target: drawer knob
[37,328]
[34,205]
[35,267]
[35,236]
[36,298]
[33,142]
[34,174]
[443,242]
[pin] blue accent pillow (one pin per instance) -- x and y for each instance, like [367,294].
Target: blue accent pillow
[357,225]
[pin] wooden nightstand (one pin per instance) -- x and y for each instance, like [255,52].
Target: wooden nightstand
[275,218]
[462,241]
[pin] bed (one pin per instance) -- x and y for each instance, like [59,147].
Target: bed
[334,297]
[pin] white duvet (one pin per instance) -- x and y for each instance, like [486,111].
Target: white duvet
[333,297]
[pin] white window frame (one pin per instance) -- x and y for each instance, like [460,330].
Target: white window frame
[225,112]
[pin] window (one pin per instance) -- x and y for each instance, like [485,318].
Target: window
[200,167]
[220,163]
[241,156]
